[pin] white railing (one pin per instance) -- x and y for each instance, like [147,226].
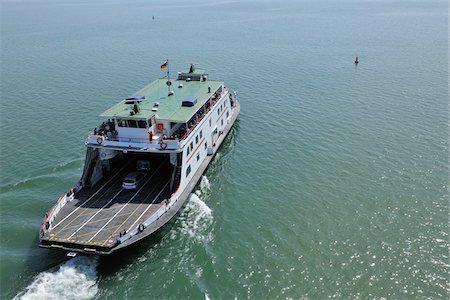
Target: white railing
[51,216]
[200,118]
[124,142]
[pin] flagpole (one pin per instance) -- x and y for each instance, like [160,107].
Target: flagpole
[168,75]
[168,79]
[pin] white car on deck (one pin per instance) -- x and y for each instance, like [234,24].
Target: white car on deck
[133,180]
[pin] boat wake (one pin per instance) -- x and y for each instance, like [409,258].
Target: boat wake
[205,186]
[74,279]
[197,217]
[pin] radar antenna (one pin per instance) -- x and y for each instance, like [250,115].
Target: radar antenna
[192,66]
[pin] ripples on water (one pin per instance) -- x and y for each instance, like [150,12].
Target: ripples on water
[333,182]
[182,255]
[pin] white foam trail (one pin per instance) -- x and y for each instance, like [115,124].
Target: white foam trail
[74,279]
[204,184]
[196,219]
[201,209]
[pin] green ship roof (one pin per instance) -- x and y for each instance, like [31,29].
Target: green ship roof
[169,106]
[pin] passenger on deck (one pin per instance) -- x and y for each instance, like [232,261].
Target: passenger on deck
[182,130]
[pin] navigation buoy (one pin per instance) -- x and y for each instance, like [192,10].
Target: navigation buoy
[356,60]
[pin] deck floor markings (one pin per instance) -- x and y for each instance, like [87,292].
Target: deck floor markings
[112,199]
[138,206]
[98,211]
[118,172]
[99,220]
[150,205]
[134,211]
[131,214]
[87,208]
[112,205]
[123,206]
[91,232]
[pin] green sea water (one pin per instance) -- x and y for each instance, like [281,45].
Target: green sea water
[333,182]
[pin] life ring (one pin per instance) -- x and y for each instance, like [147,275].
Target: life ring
[163,145]
[100,140]
[141,227]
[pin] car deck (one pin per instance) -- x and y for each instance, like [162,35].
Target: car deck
[99,214]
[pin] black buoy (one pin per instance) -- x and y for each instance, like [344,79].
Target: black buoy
[356,60]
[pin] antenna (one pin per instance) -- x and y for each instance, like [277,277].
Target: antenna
[192,66]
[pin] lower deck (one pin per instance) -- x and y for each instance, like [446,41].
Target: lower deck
[100,214]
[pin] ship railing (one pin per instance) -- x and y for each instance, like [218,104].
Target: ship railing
[201,116]
[157,142]
[51,215]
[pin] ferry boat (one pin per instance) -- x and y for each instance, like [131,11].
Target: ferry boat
[142,163]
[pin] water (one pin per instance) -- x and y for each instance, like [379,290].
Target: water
[334,181]
[74,279]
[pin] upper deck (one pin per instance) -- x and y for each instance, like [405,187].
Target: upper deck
[168,107]
[160,115]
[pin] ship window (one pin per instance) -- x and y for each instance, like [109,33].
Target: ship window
[209,122]
[221,122]
[122,123]
[218,111]
[196,139]
[198,157]
[187,152]
[201,133]
[142,124]
[192,146]
[206,145]
[228,114]
[188,170]
[132,123]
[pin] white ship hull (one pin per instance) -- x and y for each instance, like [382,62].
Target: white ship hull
[98,216]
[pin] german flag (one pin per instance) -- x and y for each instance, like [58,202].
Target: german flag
[165,65]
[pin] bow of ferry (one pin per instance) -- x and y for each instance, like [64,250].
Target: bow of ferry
[175,126]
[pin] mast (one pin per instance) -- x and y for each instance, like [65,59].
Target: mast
[165,66]
[170,93]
